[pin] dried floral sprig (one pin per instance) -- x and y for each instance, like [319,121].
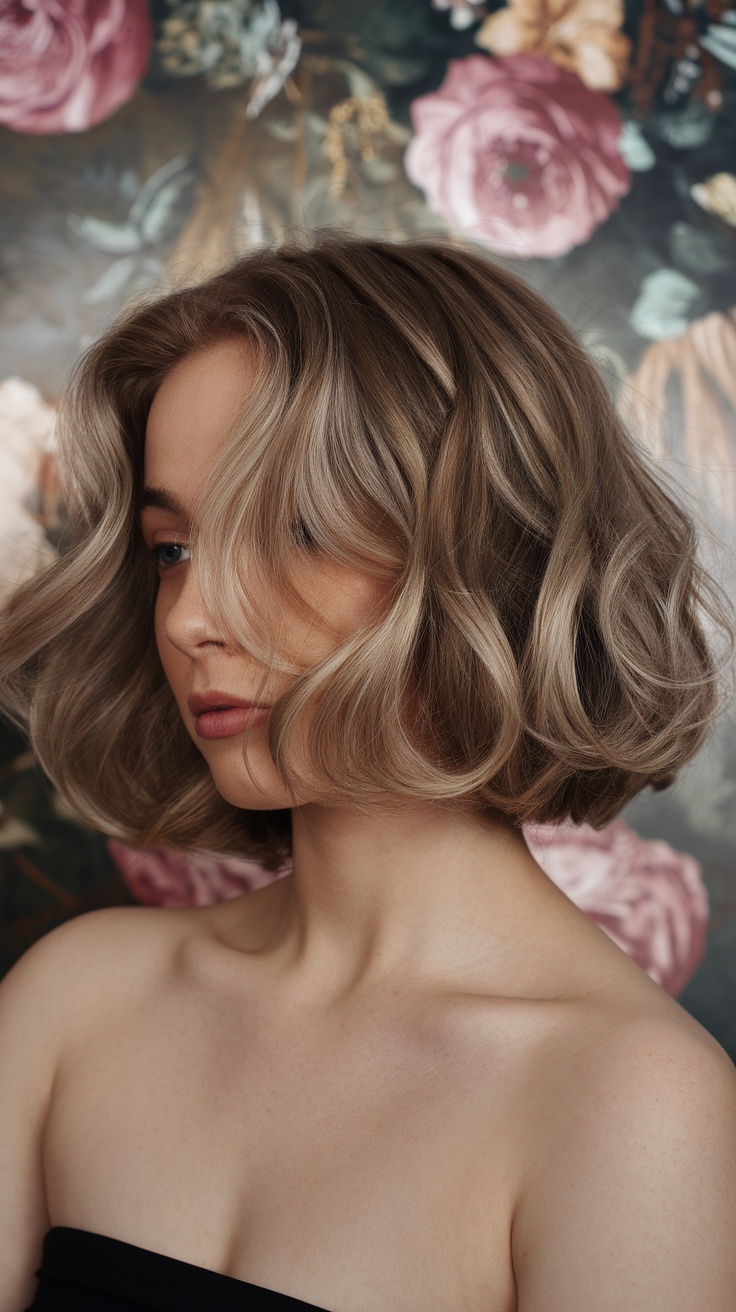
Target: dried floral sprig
[369,116]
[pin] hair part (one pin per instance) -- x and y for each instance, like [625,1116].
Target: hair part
[422,413]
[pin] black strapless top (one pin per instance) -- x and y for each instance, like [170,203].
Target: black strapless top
[82,1271]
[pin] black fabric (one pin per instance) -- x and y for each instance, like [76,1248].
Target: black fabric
[82,1271]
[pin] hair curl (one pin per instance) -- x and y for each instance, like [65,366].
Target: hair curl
[422,413]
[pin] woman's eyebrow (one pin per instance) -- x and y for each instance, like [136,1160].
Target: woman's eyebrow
[161,499]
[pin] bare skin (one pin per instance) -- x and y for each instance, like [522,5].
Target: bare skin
[340,1086]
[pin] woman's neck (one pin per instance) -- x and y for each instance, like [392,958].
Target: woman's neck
[424,893]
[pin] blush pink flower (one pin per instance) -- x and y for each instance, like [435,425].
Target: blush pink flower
[66,66]
[162,877]
[518,153]
[648,898]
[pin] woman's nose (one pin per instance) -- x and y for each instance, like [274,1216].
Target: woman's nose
[182,614]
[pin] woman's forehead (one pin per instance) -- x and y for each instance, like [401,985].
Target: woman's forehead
[194,408]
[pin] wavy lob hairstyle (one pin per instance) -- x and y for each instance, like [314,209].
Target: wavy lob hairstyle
[423,414]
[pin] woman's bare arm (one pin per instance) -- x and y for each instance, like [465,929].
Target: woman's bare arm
[43,999]
[631,1205]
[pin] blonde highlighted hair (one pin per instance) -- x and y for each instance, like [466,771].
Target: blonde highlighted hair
[423,414]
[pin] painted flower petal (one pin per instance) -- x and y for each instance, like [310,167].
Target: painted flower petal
[65,67]
[518,153]
[717,195]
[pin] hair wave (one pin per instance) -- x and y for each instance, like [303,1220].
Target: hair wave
[422,413]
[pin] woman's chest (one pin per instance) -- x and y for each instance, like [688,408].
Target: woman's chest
[355,1174]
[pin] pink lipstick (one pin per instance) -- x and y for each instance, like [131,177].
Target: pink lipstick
[220,715]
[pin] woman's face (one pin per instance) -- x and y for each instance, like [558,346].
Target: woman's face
[188,420]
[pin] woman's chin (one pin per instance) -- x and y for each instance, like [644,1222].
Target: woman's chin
[240,791]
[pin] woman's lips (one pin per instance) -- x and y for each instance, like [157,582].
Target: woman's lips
[232,720]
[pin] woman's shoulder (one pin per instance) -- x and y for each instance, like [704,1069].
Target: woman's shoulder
[631,1038]
[630,1122]
[64,979]
[68,987]
[620,1036]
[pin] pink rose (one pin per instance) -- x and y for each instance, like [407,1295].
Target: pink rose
[66,66]
[519,153]
[162,877]
[650,899]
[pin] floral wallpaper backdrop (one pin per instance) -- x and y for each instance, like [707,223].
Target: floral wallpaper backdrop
[588,144]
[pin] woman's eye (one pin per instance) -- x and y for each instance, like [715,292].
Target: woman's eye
[166,546]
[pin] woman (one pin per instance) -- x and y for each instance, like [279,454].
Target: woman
[374,499]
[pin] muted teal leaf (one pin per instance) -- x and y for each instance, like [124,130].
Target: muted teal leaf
[634,148]
[663,305]
[113,238]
